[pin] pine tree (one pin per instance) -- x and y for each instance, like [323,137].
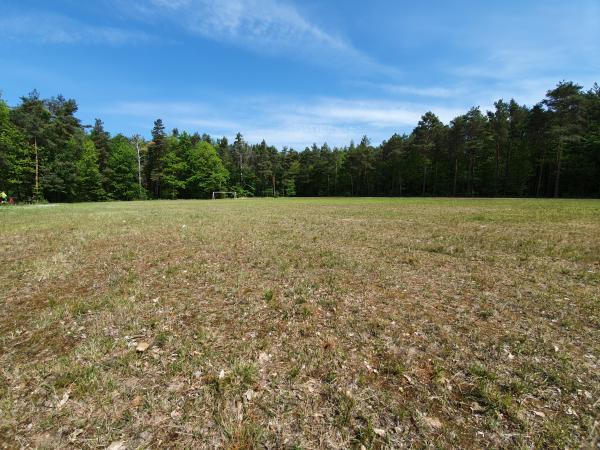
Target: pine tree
[32,118]
[89,180]
[156,151]
[239,155]
[174,166]
[426,140]
[101,140]
[499,125]
[565,106]
[64,138]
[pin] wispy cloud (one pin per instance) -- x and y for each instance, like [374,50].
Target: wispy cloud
[440,92]
[553,41]
[431,91]
[57,29]
[265,26]
[494,53]
[285,122]
[370,113]
[156,109]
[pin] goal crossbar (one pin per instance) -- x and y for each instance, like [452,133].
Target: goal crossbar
[223,192]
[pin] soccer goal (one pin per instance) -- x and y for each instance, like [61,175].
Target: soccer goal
[223,194]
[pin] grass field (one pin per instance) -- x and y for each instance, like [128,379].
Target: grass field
[301,323]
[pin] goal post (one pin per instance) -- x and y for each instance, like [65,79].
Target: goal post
[224,194]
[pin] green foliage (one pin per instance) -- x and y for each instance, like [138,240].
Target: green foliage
[121,171]
[156,151]
[101,141]
[173,169]
[89,181]
[205,172]
[17,165]
[59,172]
[290,187]
[552,149]
[268,295]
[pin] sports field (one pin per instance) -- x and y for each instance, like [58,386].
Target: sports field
[301,323]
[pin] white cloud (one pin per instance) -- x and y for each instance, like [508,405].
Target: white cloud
[264,26]
[283,121]
[371,113]
[525,74]
[156,109]
[57,29]
[432,91]
[524,55]
[499,57]
[210,124]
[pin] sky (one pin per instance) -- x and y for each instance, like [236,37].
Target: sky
[293,72]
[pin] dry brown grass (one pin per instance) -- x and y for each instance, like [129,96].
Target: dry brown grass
[325,323]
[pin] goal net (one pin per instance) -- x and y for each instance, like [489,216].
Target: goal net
[223,194]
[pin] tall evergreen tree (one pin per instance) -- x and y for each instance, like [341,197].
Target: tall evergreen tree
[101,140]
[565,106]
[89,180]
[156,152]
[33,118]
[174,166]
[240,156]
[499,125]
[390,165]
[427,139]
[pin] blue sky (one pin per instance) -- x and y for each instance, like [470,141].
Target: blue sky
[293,72]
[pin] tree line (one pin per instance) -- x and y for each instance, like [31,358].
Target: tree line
[549,150]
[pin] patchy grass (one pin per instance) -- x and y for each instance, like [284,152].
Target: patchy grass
[301,323]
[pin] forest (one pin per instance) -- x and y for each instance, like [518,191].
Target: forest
[549,150]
